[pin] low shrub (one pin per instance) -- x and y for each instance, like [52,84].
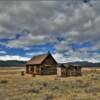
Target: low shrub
[45,84]
[33,74]
[35,90]
[4,81]
[22,73]
[49,97]
[55,88]
[92,90]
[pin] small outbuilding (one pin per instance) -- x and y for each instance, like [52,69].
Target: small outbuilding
[64,70]
[43,64]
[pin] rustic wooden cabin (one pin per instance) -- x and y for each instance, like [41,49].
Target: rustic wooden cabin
[43,64]
[68,70]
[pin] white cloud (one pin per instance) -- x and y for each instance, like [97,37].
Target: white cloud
[10,57]
[60,58]
[27,48]
[45,17]
[28,40]
[2,52]
[76,56]
[34,53]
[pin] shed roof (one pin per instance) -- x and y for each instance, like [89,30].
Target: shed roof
[66,65]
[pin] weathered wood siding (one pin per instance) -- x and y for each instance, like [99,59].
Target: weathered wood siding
[69,71]
[49,66]
[49,61]
[59,71]
[48,70]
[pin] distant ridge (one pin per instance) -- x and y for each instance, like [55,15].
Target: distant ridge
[12,63]
[15,63]
[86,64]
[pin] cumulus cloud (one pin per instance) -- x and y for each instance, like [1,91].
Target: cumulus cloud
[10,57]
[40,22]
[60,58]
[46,16]
[28,40]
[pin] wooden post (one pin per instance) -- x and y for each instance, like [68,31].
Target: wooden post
[33,74]
[35,71]
[27,68]
[40,70]
[22,73]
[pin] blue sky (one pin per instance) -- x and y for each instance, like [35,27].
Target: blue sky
[69,29]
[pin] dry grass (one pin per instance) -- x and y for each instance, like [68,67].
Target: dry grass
[90,70]
[13,86]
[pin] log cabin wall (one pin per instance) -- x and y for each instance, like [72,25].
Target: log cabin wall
[46,67]
[49,66]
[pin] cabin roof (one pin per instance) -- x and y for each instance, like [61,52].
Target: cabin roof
[39,59]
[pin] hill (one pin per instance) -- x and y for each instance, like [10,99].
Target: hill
[86,64]
[11,63]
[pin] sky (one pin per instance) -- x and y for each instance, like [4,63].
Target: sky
[68,29]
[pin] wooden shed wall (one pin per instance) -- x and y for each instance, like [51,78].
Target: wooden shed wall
[70,71]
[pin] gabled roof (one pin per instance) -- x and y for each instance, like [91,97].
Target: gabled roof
[66,65]
[38,59]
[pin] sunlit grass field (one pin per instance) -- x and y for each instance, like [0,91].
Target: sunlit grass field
[13,86]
